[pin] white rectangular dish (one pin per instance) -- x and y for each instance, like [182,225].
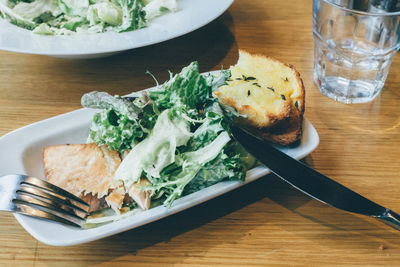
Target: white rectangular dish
[21,153]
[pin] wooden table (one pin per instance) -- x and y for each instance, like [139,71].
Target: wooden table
[266,222]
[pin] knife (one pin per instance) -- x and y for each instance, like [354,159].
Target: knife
[311,182]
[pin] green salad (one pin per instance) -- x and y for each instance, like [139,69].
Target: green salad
[176,135]
[65,17]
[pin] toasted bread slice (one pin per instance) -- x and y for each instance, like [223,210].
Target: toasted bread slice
[270,93]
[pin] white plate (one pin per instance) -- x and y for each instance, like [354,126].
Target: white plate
[21,153]
[192,15]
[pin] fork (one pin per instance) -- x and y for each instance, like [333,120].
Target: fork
[37,198]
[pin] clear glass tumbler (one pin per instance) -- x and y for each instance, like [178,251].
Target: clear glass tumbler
[354,44]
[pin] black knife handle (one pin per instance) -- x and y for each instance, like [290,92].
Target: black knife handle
[305,178]
[311,182]
[390,218]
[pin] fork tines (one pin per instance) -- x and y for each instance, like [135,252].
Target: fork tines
[39,198]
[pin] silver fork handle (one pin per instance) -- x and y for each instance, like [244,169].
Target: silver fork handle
[37,198]
[34,212]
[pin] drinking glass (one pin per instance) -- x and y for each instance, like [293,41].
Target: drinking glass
[354,44]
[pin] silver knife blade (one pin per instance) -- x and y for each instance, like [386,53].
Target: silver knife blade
[311,182]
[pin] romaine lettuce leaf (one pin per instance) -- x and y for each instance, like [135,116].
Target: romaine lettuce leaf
[173,185]
[133,15]
[33,10]
[206,132]
[105,12]
[216,81]
[157,150]
[223,167]
[187,88]
[7,13]
[74,7]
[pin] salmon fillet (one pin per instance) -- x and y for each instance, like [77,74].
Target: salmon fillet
[141,197]
[87,171]
[116,198]
[94,202]
[83,169]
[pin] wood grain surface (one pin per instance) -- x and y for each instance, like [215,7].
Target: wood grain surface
[263,223]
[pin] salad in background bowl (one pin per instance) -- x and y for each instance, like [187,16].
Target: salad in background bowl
[65,17]
[163,25]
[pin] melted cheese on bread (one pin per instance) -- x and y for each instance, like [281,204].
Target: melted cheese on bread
[269,92]
[263,88]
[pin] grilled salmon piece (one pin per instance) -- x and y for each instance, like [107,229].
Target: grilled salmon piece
[85,169]
[116,198]
[94,202]
[141,197]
